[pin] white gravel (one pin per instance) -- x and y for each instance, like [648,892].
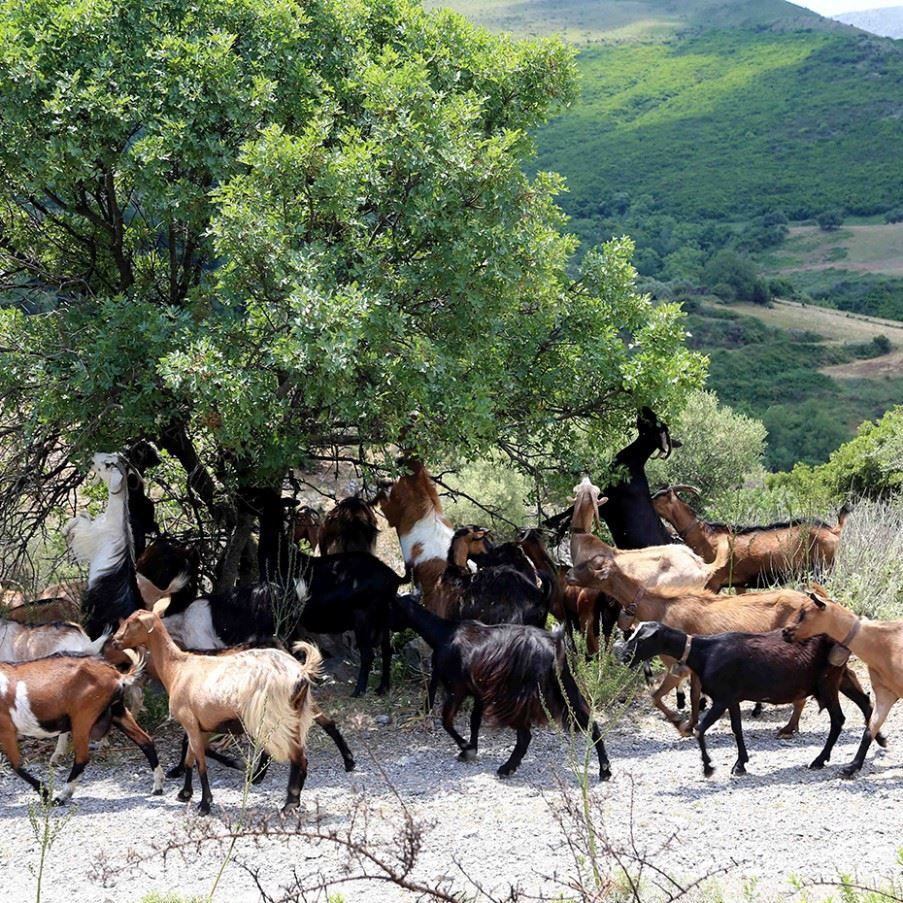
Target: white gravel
[779,821]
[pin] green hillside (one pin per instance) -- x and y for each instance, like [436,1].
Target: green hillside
[729,124]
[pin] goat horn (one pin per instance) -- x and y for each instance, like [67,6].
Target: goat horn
[161,605]
[685,487]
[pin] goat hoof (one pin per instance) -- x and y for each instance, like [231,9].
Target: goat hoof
[756,710]
[684,728]
[183,796]
[356,694]
[177,771]
[708,770]
[505,772]
[157,791]
[881,740]
[203,807]
[350,765]
[604,773]
[739,768]
[786,733]
[849,771]
[291,808]
[817,764]
[381,690]
[467,755]
[58,801]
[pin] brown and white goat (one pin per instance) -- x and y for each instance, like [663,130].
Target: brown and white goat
[757,555]
[84,695]
[700,613]
[412,506]
[878,643]
[264,691]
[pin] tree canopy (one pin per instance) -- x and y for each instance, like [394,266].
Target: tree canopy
[259,231]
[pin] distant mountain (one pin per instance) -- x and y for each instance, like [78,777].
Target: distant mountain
[887,22]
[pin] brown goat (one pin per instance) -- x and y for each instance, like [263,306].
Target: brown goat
[700,613]
[84,695]
[755,556]
[349,527]
[878,643]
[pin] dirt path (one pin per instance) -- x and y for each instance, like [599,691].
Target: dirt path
[779,821]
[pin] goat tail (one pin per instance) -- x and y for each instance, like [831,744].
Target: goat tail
[139,662]
[313,660]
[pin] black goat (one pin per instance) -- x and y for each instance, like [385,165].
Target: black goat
[172,569]
[334,594]
[629,514]
[735,667]
[518,676]
[503,591]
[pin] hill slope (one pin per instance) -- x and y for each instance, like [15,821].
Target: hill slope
[887,21]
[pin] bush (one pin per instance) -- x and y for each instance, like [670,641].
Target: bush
[495,484]
[830,220]
[894,216]
[732,269]
[721,449]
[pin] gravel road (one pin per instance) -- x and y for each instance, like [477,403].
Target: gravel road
[477,831]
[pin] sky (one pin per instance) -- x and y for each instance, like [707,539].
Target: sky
[832,7]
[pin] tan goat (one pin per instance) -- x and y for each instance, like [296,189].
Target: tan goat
[671,567]
[264,692]
[754,556]
[878,643]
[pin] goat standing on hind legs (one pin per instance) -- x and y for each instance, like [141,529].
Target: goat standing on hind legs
[878,643]
[264,691]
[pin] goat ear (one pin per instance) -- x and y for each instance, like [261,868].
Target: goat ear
[816,599]
[161,605]
[603,500]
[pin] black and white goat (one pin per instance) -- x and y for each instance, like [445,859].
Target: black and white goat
[105,544]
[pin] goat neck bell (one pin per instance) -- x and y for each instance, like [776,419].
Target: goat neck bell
[839,653]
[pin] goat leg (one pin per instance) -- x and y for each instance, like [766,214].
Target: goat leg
[793,725]
[578,711]
[80,740]
[837,719]
[329,726]
[449,710]
[711,716]
[852,689]
[469,753]
[364,641]
[127,724]
[296,778]
[737,728]
[11,750]
[517,754]
[884,700]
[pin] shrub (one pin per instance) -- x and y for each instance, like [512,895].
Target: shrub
[830,220]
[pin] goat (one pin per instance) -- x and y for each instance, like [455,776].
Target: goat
[700,613]
[320,718]
[266,691]
[44,611]
[349,527]
[631,519]
[549,573]
[517,676]
[411,505]
[84,695]
[734,667]
[140,456]
[756,556]
[495,594]
[168,568]
[878,643]
[26,642]
[306,524]
[105,542]
[673,567]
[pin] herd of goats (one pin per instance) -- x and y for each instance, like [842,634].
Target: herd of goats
[238,662]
